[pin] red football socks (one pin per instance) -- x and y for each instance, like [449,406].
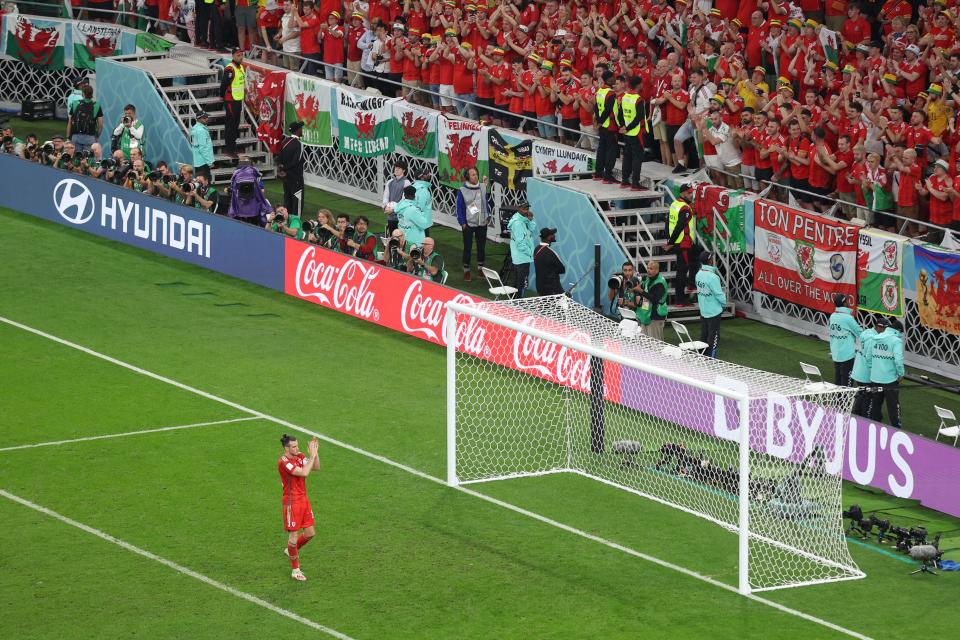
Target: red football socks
[302,540]
[294,557]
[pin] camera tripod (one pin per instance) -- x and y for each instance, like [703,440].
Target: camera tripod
[926,568]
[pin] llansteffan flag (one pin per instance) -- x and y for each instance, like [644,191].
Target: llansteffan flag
[263,93]
[550,159]
[803,258]
[938,287]
[365,123]
[307,99]
[415,130]
[461,144]
[880,272]
[35,42]
[92,40]
[511,160]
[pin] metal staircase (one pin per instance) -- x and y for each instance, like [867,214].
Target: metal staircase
[188,81]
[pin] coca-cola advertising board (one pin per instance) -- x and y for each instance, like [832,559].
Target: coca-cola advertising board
[417,307]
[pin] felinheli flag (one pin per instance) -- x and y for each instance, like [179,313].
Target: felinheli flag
[365,123]
[938,287]
[92,40]
[35,42]
[803,258]
[879,272]
[415,130]
[461,144]
[307,100]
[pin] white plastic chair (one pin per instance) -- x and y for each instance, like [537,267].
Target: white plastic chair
[817,384]
[629,328]
[496,286]
[947,430]
[686,342]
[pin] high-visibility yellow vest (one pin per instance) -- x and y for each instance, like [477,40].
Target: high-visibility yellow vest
[239,78]
[674,216]
[628,105]
[601,101]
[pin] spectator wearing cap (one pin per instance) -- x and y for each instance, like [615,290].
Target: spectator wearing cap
[464,67]
[445,59]
[712,300]
[411,54]
[494,84]
[232,88]
[886,370]
[522,227]
[355,32]
[331,40]
[201,145]
[938,187]
[912,71]
[844,333]
[290,163]
[938,110]
[309,24]
[547,265]
[545,100]
[289,37]
[396,45]
[527,83]
[568,91]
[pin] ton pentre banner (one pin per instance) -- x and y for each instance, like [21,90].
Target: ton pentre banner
[365,123]
[802,257]
[263,95]
[415,130]
[461,144]
[938,287]
[880,272]
[39,43]
[92,40]
[307,100]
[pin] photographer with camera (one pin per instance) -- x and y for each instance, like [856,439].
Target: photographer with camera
[85,122]
[397,251]
[324,231]
[424,262]
[160,182]
[50,151]
[205,195]
[129,133]
[361,243]
[623,290]
[11,144]
[182,187]
[652,305]
[282,221]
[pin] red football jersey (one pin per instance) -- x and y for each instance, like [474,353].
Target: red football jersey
[294,487]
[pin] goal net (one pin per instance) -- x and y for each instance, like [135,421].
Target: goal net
[546,385]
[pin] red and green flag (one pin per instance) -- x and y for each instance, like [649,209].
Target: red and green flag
[307,100]
[92,40]
[35,42]
[365,123]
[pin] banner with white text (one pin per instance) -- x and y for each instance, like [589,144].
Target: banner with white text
[461,145]
[803,258]
[365,123]
[880,272]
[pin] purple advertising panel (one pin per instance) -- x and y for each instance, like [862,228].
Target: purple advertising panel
[902,464]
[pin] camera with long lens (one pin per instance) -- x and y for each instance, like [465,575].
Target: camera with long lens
[348,231]
[66,158]
[279,218]
[166,178]
[47,148]
[127,120]
[6,141]
[154,175]
[416,253]
[123,170]
[617,280]
[309,226]
[108,164]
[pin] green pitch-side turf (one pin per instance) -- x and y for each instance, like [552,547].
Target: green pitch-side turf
[396,556]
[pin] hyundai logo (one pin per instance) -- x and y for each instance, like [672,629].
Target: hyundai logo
[73,201]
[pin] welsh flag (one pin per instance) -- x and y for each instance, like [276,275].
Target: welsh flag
[365,123]
[263,94]
[880,272]
[148,42]
[308,100]
[462,144]
[35,42]
[828,40]
[415,130]
[712,63]
[92,40]
[720,218]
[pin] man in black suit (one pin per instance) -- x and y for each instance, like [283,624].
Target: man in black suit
[547,264]
[290,168]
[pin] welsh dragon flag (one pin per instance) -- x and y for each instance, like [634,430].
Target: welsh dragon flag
[308,100]
[35,42]
[148,42]
[828,40]
[365,123]
[415,130]
[92,40]
[263,94]
[462,144]
[720,218]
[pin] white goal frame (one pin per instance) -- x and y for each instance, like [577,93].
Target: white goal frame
[744,449]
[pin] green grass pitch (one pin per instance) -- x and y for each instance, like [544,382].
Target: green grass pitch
[397,554]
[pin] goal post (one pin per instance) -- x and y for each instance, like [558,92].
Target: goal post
[545,386]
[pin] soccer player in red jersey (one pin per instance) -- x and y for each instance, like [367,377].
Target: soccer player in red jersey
[294,467]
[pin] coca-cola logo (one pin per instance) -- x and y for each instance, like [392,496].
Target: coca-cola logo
[423,314]
[550,360]
[345,287]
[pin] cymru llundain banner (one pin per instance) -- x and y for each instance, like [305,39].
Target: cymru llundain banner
[880,272]
[803,258]
[461,144]
[308,100]
[938,287]
[92,40]
[365,123]
[415,130]
[550,159]
[263,94]
[35,42]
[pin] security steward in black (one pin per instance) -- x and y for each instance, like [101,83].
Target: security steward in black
[547,264]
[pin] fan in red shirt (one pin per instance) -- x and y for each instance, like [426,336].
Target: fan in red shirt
[821,166]
[294,467]
[938,186]
[331,36]
[856,29]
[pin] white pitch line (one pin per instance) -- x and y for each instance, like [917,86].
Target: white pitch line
[426,476]
[108,436]
[176,567]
